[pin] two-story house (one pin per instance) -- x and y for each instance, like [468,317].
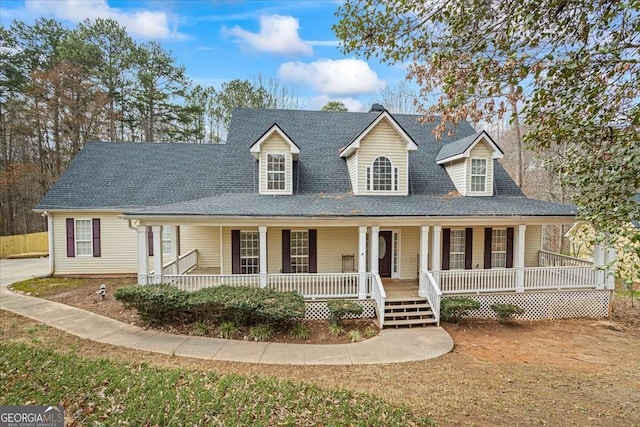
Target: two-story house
[331,204]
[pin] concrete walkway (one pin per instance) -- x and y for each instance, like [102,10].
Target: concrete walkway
[391,346]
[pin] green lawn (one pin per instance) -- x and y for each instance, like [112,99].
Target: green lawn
[53,285]
[99,391]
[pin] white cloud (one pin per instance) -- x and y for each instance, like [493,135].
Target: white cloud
[352,104]
[144,23]
[327,43]
[333,77]
[278,34]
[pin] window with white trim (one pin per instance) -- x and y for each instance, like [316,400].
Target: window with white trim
[166,240]
[249,252]
[84,236]
[499,248]
[456,249]
[276,170]
[381,175]
[478,175]
[299,251]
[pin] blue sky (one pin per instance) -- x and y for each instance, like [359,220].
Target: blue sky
[219,41]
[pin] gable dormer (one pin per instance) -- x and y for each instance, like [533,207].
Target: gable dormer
[275,153]
[469,163]
[378,158]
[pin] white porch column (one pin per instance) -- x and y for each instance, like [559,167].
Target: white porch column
[174,248]
[143,255]
[436,248]
[157,253]
[374,249]
[610,257]
[424,255]
[262,229]
[519,255]
[599,263]
[362,262]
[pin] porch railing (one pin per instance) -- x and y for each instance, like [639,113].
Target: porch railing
[552,259]
[194,282]
[560,277]
[379,296]
[505,280]
[476,281]
[316,285]
[430,290]
[185,263]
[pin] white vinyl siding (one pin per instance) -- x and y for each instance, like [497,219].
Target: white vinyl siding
[383,140]
[457,174]
[275,145]
[83,236]
[206,240]
[499,248]
[118,246]
[456,249]
[532,244]
[352,165]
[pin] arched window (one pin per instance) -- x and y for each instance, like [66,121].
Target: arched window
[382,176]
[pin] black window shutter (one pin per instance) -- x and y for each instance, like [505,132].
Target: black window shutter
[446,247]
[286,251]
[488,237]
[95,225]
[468,248]
[235,251]
[313,251]
[71,239]
[177,240]
[150,241]
[510,247]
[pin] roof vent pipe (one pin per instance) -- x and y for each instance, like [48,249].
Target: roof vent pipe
[376,107]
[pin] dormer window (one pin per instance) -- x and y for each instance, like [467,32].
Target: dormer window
[478,175]
[276,171]
[382,176]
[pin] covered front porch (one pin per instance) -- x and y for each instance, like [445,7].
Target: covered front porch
[364,262]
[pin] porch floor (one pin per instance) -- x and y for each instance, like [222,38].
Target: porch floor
[398,289]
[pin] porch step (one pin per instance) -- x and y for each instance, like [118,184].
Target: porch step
[408,312]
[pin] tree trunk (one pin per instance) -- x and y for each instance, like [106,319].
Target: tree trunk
[513,100]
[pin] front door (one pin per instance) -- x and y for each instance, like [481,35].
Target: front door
[385,251]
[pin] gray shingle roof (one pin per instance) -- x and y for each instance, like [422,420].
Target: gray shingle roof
[223,179]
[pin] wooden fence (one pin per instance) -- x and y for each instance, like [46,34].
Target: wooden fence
[24,243]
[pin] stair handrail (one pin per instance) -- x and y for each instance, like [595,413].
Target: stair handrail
[379,296]
[433,294]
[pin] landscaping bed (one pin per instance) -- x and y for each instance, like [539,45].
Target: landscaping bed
[81,293]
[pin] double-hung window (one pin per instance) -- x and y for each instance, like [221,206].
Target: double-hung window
[456,249]
[299,251]
[499,248]
[276,169]
[166,240]
[478,175]
[83,237]
[249,252]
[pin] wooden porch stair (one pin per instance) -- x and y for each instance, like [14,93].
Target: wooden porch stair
[403,307]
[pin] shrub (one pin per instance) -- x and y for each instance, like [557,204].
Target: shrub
[200,329]
[261,332]
[342,308]
[246,306]
[453,309]
[371,332]
[300,331]
[355,336]
[506,311]
[227,330]
[335,329]
[156,304]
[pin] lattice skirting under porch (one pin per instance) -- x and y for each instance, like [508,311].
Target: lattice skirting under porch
[547,305]
[317,310]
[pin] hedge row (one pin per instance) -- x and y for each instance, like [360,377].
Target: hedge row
[160,304]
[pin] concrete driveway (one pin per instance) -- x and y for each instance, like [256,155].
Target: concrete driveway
[15,270]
